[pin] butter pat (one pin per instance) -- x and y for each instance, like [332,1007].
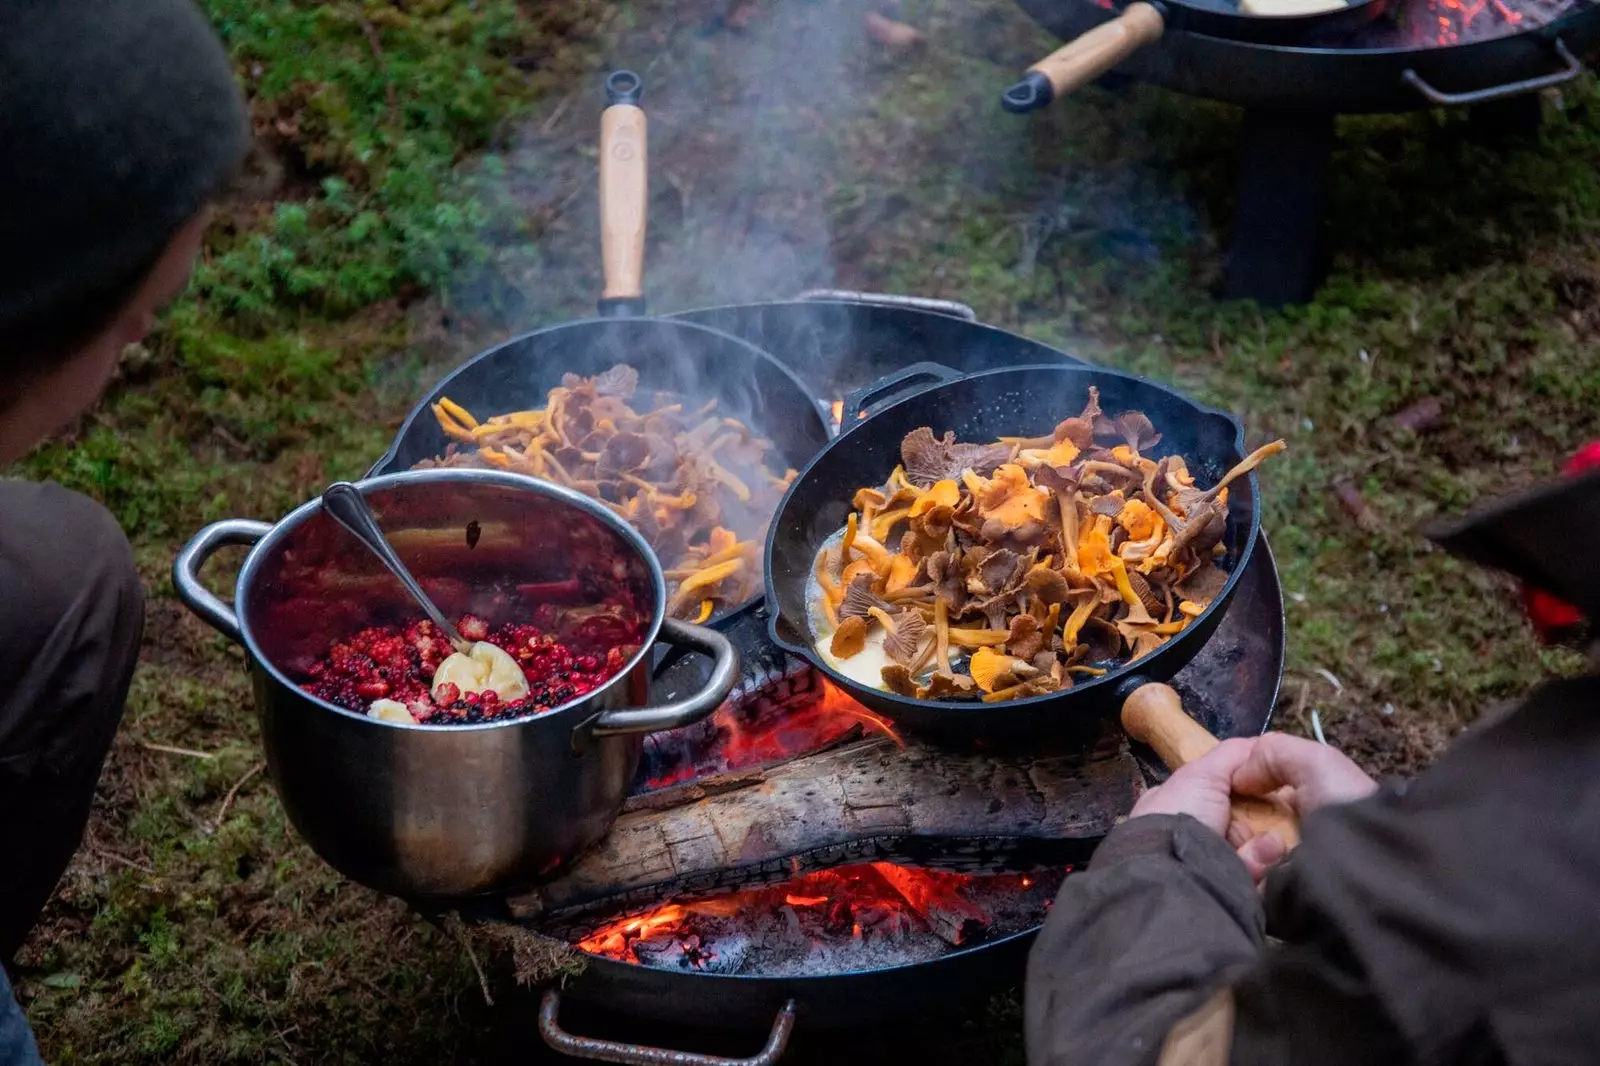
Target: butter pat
[1281,8]
[486,668]
[390,711]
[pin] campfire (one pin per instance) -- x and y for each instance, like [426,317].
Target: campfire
[804,911]
[867,915]
[801,713]
[1449,22]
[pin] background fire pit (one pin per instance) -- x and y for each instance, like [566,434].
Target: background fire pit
[1424,53]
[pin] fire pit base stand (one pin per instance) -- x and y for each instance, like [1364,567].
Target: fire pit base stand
[1277,253]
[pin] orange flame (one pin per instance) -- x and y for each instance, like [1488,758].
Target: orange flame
[838,413]
[914,893]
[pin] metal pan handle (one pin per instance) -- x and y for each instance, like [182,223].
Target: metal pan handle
[883,299]
[887,389]
[186,572]
[724,672]
[1499,92]
[585,1047]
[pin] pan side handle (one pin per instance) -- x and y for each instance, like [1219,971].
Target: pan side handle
[1439,98]
[584,1047]
[1080,61]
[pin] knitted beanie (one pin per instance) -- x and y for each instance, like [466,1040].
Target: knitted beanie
[119,119]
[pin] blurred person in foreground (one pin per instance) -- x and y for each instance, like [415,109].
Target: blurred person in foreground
[1450,919]
[121,122]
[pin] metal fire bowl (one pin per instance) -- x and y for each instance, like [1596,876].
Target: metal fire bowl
[1334,80]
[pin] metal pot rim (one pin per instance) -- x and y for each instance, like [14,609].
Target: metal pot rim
[253,562]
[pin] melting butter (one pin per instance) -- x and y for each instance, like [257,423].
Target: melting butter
[486,668]
[391,711]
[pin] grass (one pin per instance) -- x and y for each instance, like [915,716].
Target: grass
[425,187]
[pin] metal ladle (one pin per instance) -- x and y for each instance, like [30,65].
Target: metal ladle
[346,506]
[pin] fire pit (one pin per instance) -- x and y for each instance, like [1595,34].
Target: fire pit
[791,859]
[1424,53]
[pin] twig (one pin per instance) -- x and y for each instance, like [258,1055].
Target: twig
[124,860]
[376,45]
[227,801]
[555,116]
[170,750]
[1316,726]
[459,931]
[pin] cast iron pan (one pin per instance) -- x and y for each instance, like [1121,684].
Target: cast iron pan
[1142,22]
[1021,401]
[681,357]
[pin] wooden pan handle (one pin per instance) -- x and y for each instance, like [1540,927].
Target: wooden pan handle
[624,191]
[1153,714]
[1077,63]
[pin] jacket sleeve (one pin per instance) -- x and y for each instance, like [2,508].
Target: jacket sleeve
[1165,915]
[1163,927]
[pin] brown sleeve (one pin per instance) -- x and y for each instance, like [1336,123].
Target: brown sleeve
[1164,934]
[1165,914]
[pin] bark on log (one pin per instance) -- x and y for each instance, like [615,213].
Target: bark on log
[864,802]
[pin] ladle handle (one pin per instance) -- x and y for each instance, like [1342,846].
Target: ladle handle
[346,506]
[1082,60]
[624,195]
[1153,714]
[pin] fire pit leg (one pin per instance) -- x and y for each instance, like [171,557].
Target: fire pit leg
[1276,257]
[583,1047]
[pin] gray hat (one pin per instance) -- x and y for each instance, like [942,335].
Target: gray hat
[119,119]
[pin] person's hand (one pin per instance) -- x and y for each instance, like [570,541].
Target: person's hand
[1302,773]
[1202,789]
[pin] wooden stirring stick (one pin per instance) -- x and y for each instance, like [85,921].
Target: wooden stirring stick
[1153,714]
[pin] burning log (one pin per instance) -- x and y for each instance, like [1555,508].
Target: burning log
[940,903]
[864,802]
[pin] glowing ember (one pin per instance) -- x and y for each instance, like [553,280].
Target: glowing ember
[823,921]
[838,413]
[737,739]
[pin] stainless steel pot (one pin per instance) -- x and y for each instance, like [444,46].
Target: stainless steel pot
[445,811]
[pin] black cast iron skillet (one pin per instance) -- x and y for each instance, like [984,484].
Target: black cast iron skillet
[1022,401]
[1143,22]
[691,360]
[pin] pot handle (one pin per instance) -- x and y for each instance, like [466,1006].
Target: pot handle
[883,299]
[724,672]
[186,571]
[586,1047]
[870,398]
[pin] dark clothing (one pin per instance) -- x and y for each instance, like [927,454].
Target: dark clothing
[119,120]
[1456,922]
[71,614]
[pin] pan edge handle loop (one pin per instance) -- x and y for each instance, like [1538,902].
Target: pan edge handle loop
[1439,98]
[953,308]
[585,1047]
[887,389]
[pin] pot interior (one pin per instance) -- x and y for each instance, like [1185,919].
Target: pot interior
[499,546]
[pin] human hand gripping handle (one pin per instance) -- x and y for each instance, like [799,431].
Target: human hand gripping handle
[1153,714]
